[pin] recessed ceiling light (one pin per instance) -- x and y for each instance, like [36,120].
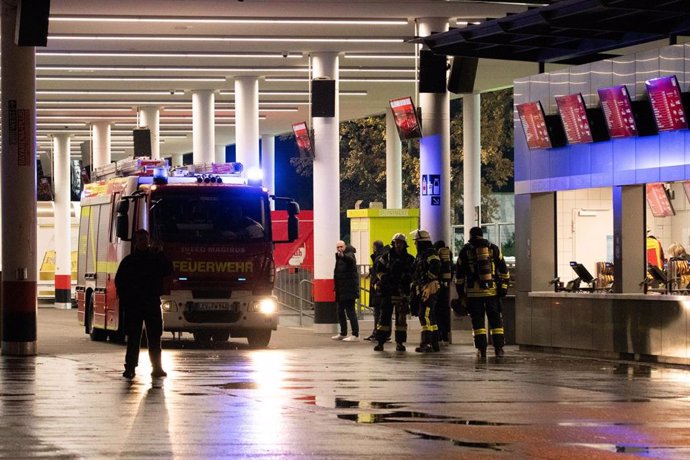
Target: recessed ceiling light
[232,20]
[211,38]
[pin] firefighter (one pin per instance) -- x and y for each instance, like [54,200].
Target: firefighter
[374,286]
[394,273]
[481,278]
[140,280]
[425,289]
[443,303]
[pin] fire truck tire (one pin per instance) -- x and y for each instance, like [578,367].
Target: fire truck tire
[220,336]
[259,338]
[97,335]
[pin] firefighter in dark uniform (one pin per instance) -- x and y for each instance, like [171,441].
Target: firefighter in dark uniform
[425,289]
[481,278]
[394,273]
[374,288]
[443,303]
[140,280]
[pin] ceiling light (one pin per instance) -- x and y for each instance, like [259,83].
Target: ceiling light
[378,56]
[346,80]
[152,78]
[110,92]
[281,55]
[210,38]
[233,20]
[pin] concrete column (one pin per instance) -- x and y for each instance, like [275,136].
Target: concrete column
[101,132]
[268,163]
[471,147]
[63,240]
[393,164]
[247,121]
[434,156]
[149,117]
[219,154]
[326,200]
[177,159]
[629,238]
[18,182]
[203,126]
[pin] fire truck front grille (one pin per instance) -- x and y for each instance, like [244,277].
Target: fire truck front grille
[212,316]
[211,293]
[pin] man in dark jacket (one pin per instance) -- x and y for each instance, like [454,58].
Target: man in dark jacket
[346,283]
[482,277]
[140,281]
[374,286]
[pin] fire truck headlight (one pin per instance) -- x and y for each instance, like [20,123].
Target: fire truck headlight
[168,305]
[267,306]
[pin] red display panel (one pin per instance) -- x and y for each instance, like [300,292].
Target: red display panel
[574,116]
[406,119]
[534,125]
[658,201]
[303,139]
[617,108]
[667,106]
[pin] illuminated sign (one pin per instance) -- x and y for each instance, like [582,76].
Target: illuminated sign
[534,125]
[617,108]
[574,116]
[667,106]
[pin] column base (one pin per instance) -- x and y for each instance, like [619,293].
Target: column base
[326,317]
[19,348]
[63,305]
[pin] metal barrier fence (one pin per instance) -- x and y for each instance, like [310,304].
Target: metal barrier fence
[293,288]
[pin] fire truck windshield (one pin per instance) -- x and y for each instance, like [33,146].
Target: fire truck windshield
[210,216]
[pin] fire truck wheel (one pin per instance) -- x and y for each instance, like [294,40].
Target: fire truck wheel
[259,338]
[97,335]
[220,336]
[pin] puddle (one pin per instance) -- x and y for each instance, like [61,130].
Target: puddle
[348,404]
[495,446]
[413,416]
[237,386]
[641,451]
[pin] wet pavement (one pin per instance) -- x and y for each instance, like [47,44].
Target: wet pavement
[307,396]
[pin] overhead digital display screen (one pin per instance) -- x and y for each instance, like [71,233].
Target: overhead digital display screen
[534,125]
[574,116]
[658,201]
[667,106]
[617,107]
[406,119]
[303,139]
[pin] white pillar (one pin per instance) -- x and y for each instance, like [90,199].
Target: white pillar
[434,156]
[101,132]
[203,126]
[247,121]
[18,182]
[326,199]
[219,154]
[63,240]
[268,163]
[177,159]
[393,164]
[471,137]
[149,117]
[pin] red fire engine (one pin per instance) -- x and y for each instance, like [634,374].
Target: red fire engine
[214,228]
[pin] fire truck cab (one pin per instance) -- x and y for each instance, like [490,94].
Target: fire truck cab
[214,228]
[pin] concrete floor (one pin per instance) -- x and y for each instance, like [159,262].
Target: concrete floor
[307,396]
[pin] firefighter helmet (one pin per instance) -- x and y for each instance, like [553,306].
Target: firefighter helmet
[421,235]
[399,237]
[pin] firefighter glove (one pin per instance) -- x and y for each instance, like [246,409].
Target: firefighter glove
[430,289]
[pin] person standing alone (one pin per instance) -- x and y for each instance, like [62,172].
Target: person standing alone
[482,277]
[346,284]
[140,280]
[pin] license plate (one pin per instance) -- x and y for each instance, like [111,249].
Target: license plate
[212,306]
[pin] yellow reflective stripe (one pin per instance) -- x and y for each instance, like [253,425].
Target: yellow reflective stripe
[433,327]
[481,331]
[498,330]
[383,328]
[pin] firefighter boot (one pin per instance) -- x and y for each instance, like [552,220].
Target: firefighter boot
[399,347]
[128,373]
[379,347]
[434,341]
[424,345]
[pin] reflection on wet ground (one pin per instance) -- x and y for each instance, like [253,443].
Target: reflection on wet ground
[307,396]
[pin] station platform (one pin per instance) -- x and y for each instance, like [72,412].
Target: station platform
[306,396]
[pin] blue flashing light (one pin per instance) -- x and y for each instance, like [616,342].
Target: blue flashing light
[255,174]
[241,279]
[160,175]
[182,278]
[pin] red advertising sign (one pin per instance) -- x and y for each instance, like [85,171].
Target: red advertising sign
[658,201]
[406,118]
[615,102]
[574,115]
[664,95]
[534,125]
[303,139]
